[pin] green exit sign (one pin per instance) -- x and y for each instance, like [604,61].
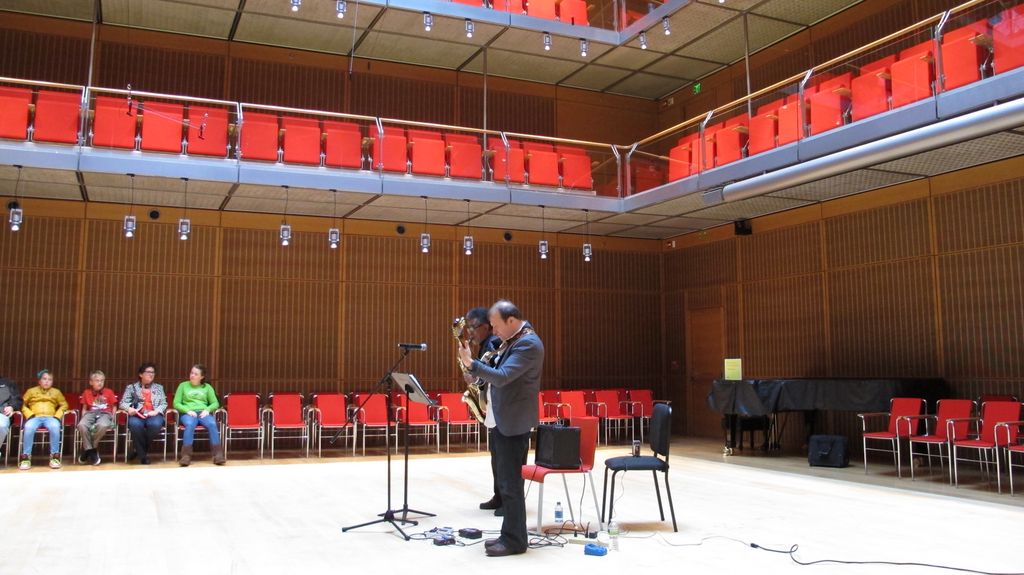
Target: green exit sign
[696,88]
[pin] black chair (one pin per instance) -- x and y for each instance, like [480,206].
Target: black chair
[661,433]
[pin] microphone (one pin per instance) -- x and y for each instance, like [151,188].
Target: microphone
[413,346]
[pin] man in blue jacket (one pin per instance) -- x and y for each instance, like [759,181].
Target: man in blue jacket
[514,383]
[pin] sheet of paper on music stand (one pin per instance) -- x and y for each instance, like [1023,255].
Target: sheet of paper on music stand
[733,369]
[407,382]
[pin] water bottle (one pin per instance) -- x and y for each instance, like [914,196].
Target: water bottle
[559,518]
[613,534]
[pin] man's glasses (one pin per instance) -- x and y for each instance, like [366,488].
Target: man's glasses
[149,372]
[477,326]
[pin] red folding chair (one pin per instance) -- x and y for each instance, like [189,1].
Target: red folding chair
[14,106]
[259,139]
[114,123]
[588,447]
[541,164]
[207,131]
[830,105]
[464,156]
[1008,40]
[575,168]
[764,128]
[571,404]
[982,438]
[641,402]
[426,152]
[546,412]
[302,139]
[242,419]
[57,117]
[898,426]
[611,411]
[162,127]
[872,89]
[373,415]
[936,430]
[422,422]
[329,411]
[286,415]
[965,54]
[507,164]
[913,74]
[391,155]
[455,414]
[343,147]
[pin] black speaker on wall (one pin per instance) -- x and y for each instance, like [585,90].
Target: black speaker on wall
[743,227]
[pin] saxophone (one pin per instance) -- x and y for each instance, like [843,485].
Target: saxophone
[472,397]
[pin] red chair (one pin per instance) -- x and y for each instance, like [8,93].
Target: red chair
[913,74]
[329,412]
[302,137]
[162,127]
[260,137]
[464,156]
[70,421]
[1008,40]
[14,106]
[286,414]
[57,117]
[114,123]
[242,418]
[710,150]
[938,432]
[426,152]
[207,131]
[646,175]
[1009,433]
[830,104]
[731,140]
[513,6]
[588,446]
[541,9]
[573,12]
[343,147]
[871,89]
[611,411]
[576,171]
[965,54]
[547,412]
[571,404]
[641,407]
[393,154]
[421,422]
[681,159]
[764,128]
[790,122]
[900,425]
[541,164]
[374,416]
[507,164]
[983,437]
[455,415]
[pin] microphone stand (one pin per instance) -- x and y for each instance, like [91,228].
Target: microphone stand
[389,515]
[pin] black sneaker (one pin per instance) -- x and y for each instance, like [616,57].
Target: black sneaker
[86,456]
[132,455]
[95,460]
[144,460]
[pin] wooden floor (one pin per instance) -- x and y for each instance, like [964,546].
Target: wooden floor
[286,517]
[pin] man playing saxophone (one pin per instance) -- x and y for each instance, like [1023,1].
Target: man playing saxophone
[479,333]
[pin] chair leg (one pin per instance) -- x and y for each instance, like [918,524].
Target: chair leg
[864,442]
[568,498]
[896,454]
[671,507]
[611,499]
[657,491]
[540,509]
[604,494]
[593,492]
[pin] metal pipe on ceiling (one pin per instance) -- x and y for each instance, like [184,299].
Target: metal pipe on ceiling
[947,132]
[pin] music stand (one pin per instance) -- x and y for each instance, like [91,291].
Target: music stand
[410,386]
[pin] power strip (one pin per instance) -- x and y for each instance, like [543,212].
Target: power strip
[584,541]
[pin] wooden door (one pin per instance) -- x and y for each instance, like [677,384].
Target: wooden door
[705,356]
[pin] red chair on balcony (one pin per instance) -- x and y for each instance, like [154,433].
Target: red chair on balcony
[427,152]
[57,117]
[286,415]
[513,6]
[374,416]
[391,155]
[1008,40]
[541,164]
[465,156]
[573,12]
[936,429]
[588,446]
[343,147]
[329,412]
[576,168]
[207,131]
[302,139]
[14,107]
[163,127]
[709,158]
[646,174]
[507,164]
[260,135]
[830,104]
[872,88]
[791,121]
[913,74]
[731,140]
[456,417]
[611,411]
[901,424]
[114,123]
[242,419]
[965,54]
[764,128]
[982,438]
[681,160]
[541,9]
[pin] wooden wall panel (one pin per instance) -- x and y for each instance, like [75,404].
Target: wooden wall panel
[287,84]
[987,216]
[155,249]
[521,268]
[705,265]
[878,235]
[46,57]
[164,70]
[983,312]
[788,251]
[398,260]
[259,254]
[403,98]
[882,320]
[783,323]
[42,243]
[507,111]
[615,271]
[674,329]
[37,325]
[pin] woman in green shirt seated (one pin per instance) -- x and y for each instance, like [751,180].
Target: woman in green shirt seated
[196,401]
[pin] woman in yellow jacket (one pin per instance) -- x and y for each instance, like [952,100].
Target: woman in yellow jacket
[44,406]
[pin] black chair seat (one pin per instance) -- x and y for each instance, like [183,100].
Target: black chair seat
[630,463]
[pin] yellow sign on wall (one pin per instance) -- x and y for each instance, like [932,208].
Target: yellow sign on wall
[733,368]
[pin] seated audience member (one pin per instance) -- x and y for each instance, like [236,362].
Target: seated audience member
[196,401]
[146,403]
[44,406]
[10,401]
[98,405]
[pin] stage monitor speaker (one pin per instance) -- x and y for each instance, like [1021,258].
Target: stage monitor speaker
[743,227]
[827,451]
[558,447]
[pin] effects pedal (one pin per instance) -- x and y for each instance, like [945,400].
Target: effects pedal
[444,540]
[470,533]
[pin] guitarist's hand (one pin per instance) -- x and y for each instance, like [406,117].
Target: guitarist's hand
[465,354]
[469,378]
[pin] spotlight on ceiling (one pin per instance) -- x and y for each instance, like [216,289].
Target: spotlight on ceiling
[643,40]
[428,21]
[341,7]
[295,5]
[547,42]
[667,26]
[583,47]
[470,28]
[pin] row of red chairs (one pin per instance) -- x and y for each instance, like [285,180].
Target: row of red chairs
[968,54]
[957,425]
[568,11]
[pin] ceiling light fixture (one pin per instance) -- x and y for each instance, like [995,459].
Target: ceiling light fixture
[588,250]
[467,241]
[425,237]
[428,21]
[285,232]
[341,7]
[667,26]
[16,217]
[334,234]
[542,245]
[470,28]
[643,40]
[583,47]
[129,220]
[295,5]
[184,224]
[547,42]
